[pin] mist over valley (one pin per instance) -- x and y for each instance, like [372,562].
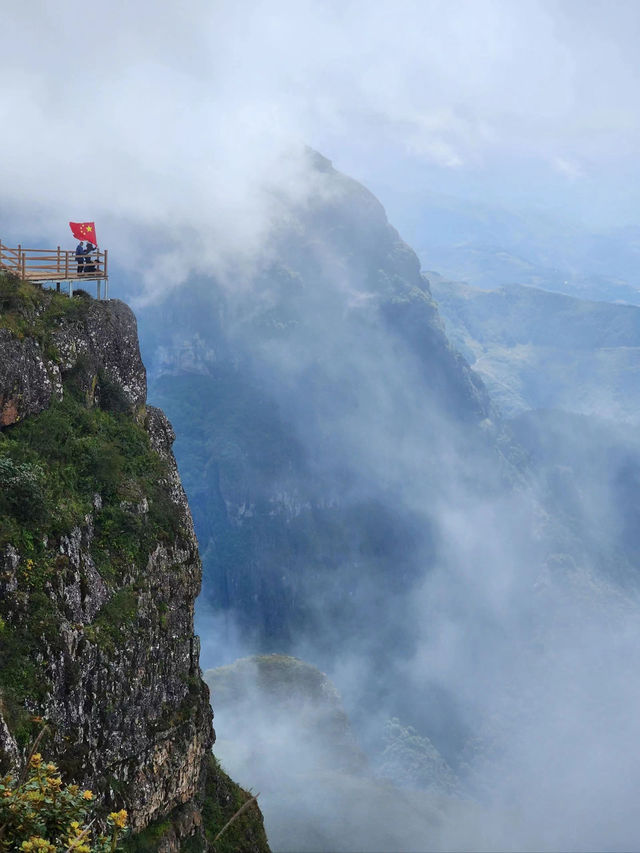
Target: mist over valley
[363,503]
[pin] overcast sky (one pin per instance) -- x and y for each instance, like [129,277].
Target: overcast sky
[180,115]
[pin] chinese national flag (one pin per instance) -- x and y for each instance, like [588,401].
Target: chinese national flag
[84,231]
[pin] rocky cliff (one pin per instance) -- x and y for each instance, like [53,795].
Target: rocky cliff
[99,571]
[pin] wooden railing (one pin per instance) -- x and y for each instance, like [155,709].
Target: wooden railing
[54,264]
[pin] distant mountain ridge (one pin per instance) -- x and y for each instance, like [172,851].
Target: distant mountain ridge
[487,247]
[537,349]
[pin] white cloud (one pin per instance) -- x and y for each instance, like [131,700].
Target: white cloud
[175,116]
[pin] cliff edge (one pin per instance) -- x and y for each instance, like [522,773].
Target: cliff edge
[99,571]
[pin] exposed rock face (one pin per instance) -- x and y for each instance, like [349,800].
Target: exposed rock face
[27,380]
[96,616]
[9,753]
[107,339]
[136,714]
[102,340]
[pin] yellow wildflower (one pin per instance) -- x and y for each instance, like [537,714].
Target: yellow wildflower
[87,795]
[119,818]
[54,781]
[38,843]
[36,759]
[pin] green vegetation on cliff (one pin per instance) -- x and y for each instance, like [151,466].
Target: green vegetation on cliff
[29,311]
[53,465]
[55,469]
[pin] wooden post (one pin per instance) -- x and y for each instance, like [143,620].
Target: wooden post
[58,270]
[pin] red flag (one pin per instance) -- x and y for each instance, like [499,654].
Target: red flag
[84,231]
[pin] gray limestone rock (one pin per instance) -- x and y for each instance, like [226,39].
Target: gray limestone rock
[104,343]
[100,345]
[28,382]
[9,752]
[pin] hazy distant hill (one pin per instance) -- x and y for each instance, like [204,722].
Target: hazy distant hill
[488,247]
[536,349]
[319,790]
[589,469]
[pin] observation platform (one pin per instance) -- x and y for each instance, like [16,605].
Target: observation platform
[57,266]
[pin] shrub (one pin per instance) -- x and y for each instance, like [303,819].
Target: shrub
[21,490]
[38,812]
[112,397]
[9,292]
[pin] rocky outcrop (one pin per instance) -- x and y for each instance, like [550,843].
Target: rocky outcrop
[99,341]
[324,794]
[105,341]
[99,572]
[129,712]
[28,381]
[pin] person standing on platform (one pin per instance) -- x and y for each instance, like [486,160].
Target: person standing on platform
[89,265]
[85,232]
[80,256]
